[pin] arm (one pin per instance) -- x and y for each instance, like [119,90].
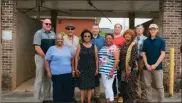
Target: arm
[48,58]
[144,49]
[39,51]
[76,59]
[72,64]
[162,55]
[144,58]
[47,66]
[145,61]
[96,59]
[37,43]
[160,58]
[116,61]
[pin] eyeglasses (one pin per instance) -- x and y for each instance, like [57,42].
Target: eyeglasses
[69,28]
[48,24]
[87,36]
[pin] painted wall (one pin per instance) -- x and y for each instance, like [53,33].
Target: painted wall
[80,25]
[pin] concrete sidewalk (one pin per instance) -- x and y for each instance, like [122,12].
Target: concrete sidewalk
[24,93]
[17,96]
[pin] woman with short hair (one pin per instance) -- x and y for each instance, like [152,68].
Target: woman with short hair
[86,65]
[58,62]
[108,62]
[128,67]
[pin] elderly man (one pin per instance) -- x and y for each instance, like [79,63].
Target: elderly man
[139,80]
[99,41]
[72,41]
[43,39]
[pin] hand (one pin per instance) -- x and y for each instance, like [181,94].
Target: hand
[137,67]
[133,43]
[148,67]
[128,73]
[77,73]
[43,57]
[153,67]
[96,72]
[111,74]
[49,75]
[73,73]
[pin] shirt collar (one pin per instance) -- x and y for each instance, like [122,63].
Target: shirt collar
[140,36]
[96,36]
[45,31]
[154,38]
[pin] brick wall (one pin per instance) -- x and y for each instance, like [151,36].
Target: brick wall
[171,18]
[18,53]
[0,54]
[8,46]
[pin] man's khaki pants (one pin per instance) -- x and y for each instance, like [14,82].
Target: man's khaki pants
[41,80]
[157,75]
[140,85]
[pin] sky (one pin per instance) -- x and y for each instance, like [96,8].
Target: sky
[105,23]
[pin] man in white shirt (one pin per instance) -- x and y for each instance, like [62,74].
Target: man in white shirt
[72,41]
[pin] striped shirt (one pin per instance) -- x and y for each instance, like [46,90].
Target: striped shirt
[106,59]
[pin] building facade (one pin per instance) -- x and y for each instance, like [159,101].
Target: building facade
[14,73]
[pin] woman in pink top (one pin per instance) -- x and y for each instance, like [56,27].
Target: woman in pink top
[119,41]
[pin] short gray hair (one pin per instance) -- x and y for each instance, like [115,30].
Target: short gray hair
[59,35]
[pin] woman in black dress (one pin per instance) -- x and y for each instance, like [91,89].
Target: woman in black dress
[128,59]
[86,65]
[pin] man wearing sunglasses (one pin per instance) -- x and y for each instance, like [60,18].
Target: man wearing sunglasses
[43,39]
[72,41]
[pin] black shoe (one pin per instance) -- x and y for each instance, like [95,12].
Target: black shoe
[74,100]
[97,100]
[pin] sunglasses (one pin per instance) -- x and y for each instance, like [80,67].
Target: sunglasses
[87,36]
[69,28]
[48,24]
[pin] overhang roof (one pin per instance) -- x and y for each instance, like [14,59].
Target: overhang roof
[81,8]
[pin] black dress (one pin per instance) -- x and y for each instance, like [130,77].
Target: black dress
[87,67]
[127,82]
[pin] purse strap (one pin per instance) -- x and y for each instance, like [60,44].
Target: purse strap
[128,57]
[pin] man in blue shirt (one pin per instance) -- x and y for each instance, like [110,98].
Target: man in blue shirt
[99,41]
[139,79]
[153,55]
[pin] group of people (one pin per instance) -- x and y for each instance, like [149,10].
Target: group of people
[126,64]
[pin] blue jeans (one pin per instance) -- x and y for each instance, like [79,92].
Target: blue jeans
[62,88]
